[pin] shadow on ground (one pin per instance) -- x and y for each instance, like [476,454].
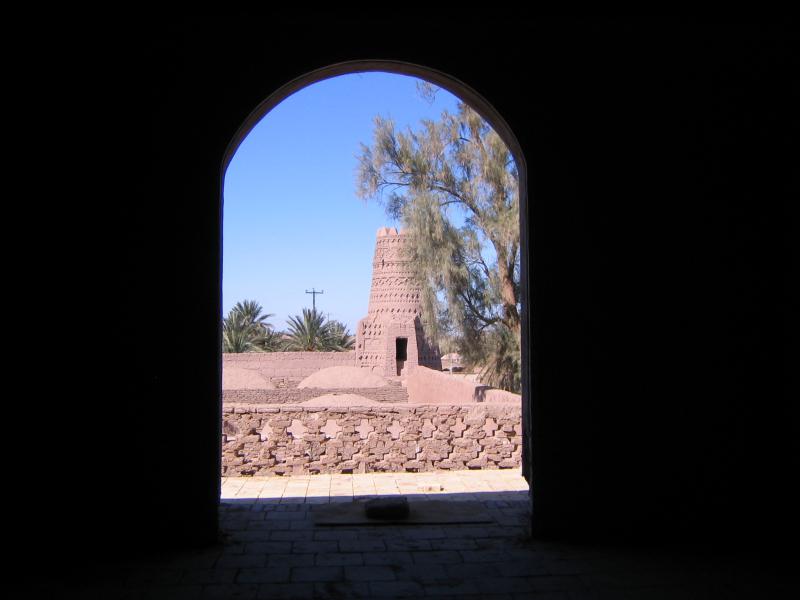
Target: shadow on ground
[272,548]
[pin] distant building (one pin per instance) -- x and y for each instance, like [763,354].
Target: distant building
[390,340]
[452,362]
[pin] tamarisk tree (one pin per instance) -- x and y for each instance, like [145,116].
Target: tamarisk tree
[454,186]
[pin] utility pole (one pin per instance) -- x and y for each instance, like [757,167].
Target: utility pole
[314,293]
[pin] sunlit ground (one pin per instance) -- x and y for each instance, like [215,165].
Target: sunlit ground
[321,489]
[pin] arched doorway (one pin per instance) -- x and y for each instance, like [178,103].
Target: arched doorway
[484,108]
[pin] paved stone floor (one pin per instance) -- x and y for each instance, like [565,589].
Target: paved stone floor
[271,548]
[505,484]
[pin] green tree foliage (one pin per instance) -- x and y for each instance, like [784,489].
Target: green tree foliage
[246,329]
[340,337]
[454,186]
[310,332]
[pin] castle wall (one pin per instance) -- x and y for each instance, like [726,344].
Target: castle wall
[393,393]
[288,364]
[426,386]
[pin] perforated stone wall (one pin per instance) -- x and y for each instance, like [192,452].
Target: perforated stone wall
[293,440]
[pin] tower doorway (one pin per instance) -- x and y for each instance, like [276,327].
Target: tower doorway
[400,353]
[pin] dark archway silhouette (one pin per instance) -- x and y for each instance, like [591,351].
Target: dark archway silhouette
[659,159]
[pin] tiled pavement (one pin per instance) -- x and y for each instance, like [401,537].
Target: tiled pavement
[506,484]
[271,548]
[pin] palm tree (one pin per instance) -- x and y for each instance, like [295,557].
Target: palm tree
[250,311]
[271,341]
[237,335]
[308,333]
[246,329]
[340,337]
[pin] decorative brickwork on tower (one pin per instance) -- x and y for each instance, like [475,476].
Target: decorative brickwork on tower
[390,340]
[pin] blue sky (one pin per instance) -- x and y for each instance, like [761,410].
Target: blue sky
[292,220]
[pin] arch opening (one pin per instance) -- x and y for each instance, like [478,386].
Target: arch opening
[472,98]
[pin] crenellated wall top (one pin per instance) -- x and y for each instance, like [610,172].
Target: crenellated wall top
[390,231]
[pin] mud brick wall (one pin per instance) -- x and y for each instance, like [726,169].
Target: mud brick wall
[288,364]
[426,386]
[392,393]
[292,440]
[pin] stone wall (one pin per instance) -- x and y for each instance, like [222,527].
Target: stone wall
[426,386]
[292,439]
[392,393]
[288,364]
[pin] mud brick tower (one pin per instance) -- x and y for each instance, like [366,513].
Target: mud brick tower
[390,340]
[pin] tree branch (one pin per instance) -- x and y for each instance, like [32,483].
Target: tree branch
[475,311]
